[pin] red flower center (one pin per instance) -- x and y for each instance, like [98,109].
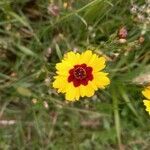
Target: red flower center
[80,74]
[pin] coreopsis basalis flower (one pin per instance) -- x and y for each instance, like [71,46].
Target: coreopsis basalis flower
[146,93]
[80,75]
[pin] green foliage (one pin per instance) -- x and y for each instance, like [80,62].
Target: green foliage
[33,40]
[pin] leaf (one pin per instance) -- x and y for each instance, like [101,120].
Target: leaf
[24,91]
[26,50]
[58,51]
[19,19]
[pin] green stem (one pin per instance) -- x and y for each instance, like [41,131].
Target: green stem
[116,117]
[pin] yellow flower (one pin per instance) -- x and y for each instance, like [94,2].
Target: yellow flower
[80,75]
[146,93]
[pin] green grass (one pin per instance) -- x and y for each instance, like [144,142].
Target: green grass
[112,119]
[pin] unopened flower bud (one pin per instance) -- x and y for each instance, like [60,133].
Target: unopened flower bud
[122,34]
[53,10]
[141,39]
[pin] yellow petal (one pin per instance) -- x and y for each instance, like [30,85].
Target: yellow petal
[85,57]
[89,91]
[58,83]
[93,85]
[147,104]
[71,93]
[146,92]
[100,79]
[97,63]
[72,58]
[82,90]
[63,68]
[77,93]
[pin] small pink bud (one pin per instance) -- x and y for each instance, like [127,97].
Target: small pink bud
[53,10]
[122,34]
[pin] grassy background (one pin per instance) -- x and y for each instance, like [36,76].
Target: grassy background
[33,40]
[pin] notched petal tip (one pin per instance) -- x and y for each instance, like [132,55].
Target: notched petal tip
[147,105]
